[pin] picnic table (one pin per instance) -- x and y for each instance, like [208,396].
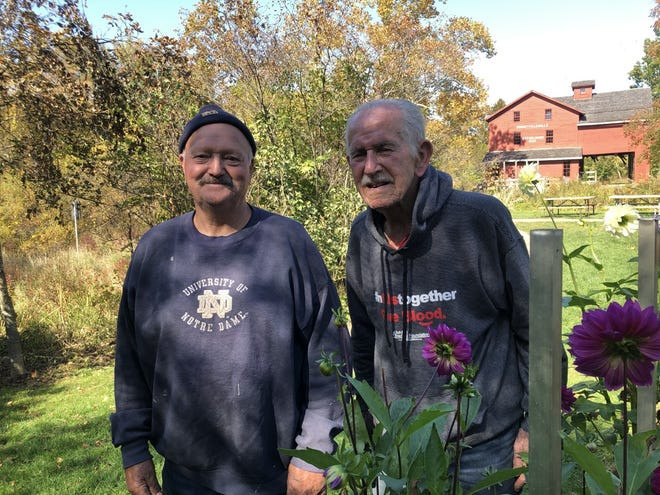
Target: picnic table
[579,203]
[639,201]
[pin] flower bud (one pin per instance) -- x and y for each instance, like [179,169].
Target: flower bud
[326,368]
[335,476]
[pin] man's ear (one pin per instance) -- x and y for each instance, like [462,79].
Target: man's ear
[181,161]
[424,155]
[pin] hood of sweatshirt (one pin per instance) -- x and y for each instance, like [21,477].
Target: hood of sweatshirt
[435,187]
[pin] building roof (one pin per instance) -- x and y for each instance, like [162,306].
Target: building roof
[583,84]
[569,107]
[533,155]
[615,106]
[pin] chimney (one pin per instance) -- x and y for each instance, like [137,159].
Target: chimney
[583,90]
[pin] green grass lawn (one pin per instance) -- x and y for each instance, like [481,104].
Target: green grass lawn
[55,436]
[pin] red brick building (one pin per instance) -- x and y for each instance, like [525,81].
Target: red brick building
[558,133]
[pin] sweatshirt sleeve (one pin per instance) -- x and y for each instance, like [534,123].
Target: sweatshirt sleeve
[131,423]
[517,283]
[323,416]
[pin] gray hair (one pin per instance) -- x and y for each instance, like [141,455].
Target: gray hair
[413,128]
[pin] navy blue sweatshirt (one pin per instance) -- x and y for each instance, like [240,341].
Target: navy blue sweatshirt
[217,342]
[464,265]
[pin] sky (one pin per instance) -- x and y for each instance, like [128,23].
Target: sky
[542,46]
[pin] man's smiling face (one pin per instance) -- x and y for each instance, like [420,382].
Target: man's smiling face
[385,167]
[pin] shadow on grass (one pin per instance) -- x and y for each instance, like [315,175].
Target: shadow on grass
[45,355]
[55,439]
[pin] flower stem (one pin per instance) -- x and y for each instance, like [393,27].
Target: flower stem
[351,432]
[419,400]
[600,435]
[568,260]
[457,460]
[625,429]
[387,404]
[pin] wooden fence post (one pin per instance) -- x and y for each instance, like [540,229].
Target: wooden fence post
[545,352]
[648,262]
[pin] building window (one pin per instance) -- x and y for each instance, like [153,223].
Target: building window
[548,114]
[516,116]
[549,136]
[516,138]
[567,169]
[583,90]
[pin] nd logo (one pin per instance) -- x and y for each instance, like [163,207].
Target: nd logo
[210,303]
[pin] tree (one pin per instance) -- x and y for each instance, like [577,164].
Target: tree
[14,349]
[58,96]
[647,71]
[142,179]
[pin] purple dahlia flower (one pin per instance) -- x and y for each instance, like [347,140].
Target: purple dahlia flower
[655,481]
[447,349]
[616,341]
[567,399]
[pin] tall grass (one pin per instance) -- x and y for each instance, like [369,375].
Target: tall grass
[524,206]
[66,305]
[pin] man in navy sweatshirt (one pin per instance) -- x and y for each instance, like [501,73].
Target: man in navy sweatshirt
[224,312]
[425,254]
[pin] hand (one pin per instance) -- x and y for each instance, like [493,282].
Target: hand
[141,479]
[301,482]
[520,444]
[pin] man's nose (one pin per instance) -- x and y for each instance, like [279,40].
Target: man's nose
[371,163]
[216,165]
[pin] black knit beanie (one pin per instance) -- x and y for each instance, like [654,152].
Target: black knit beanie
[213,114]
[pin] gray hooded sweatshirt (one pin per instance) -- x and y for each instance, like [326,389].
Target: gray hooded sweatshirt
[464,265]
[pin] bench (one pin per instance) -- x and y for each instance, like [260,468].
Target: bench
[638,201]
[584,204]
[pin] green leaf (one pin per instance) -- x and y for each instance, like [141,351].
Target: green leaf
[577,251]
[566,469]
[591,261]
[358,423]
[497,477]
[578,301]
[641,460]
[399,410]
[373,401]
[471,405]
[435,459]
[590,464]
[425,417]
[395,484]
[321,460]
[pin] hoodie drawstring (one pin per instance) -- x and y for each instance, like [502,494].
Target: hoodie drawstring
[389,322]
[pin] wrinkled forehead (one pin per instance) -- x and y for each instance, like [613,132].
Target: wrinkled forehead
[382,122]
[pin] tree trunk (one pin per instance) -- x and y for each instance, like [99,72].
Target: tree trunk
[14,349]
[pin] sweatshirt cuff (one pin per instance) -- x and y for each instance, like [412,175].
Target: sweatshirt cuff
[134,453]
[317,433]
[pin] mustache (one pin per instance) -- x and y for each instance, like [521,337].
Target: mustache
[377,178]
[224,180]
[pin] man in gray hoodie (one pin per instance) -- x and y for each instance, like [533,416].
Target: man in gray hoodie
[425,254]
